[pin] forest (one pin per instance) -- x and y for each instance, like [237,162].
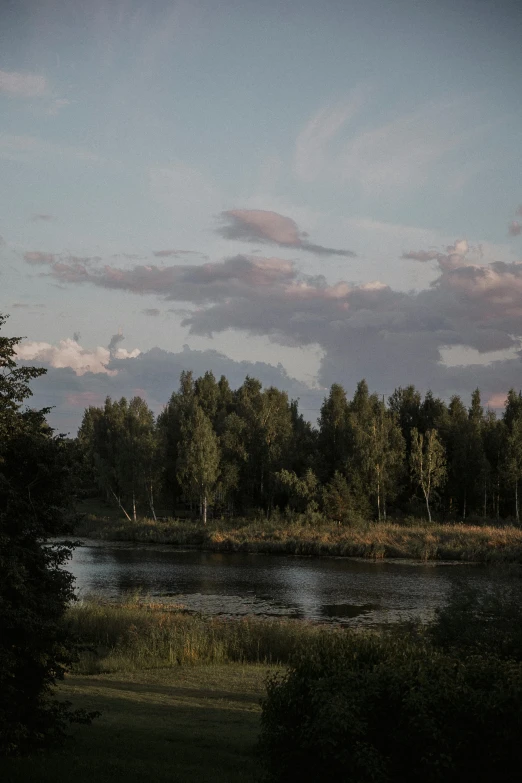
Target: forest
[218,452]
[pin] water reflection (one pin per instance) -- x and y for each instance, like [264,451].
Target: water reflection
[354,592]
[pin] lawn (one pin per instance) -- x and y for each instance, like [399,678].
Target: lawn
[185,724]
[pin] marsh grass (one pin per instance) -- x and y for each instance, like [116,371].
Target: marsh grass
[139,634]
[411,539]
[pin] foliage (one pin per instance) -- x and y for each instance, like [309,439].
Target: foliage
[371,708]
[35,649]
[428,463]
[198,461]
[463,462]
[482,621]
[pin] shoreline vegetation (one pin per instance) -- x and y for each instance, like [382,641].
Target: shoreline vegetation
[414,539]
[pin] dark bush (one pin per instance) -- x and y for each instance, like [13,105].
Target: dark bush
[35,589]
[482,620]
[368,708]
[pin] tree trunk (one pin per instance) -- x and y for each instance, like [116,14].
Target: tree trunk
[204,509]
[119,504]
[133,506]
[485,499]
[464,505]
[428,506]
[516,502]
[151,503]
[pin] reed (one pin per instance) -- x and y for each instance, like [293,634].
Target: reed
[414,540]
[139,634]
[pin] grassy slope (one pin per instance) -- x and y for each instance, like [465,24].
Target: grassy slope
[419,541]
[184,724]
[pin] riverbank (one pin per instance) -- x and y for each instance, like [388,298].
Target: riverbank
[417,540]
[188,724]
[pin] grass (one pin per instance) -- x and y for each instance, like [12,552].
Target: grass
[183,724]
[417,540]
[179,696]
[138,634]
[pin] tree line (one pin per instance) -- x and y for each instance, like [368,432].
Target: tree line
[250,450]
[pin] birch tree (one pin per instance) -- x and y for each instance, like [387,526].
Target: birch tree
[198,461]
[427,463]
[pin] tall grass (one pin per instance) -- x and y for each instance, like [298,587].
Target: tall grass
[136,635]
[417,540]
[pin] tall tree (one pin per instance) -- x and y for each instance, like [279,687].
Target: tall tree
[428,463]
[35,589]
[169,426]
[332,443]
[198,461]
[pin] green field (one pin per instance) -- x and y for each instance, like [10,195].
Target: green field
[188,724]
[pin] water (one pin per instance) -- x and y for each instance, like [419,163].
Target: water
[328,590]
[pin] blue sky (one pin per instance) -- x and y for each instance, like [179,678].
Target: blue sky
[307,193]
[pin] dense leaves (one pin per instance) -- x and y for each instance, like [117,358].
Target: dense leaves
[388,709]
[248,450]
[35,487]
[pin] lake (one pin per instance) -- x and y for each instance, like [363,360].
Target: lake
[328,590]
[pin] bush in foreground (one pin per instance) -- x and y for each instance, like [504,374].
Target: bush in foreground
[362,708]
[35,590]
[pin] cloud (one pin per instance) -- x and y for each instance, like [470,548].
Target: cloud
[69,353]
[421,255]
[56,105]
[153,375]
[31,149]
[515,228]
[153,311]
[23,85]
[38,257]
[399,154]
[258,225]
[368,330]
[173,253]
[115,340]
[497,400]
[312,145]
[41,216]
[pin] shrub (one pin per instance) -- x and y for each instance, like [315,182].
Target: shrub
[35,590]
[369,708]
[481,620]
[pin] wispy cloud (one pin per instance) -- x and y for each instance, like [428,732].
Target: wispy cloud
[312,149]
[261,226]
[23,85]
[515,228]
[396,154]
[152,311]
[28,149]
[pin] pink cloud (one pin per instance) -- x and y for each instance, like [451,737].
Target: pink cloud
[23,85]
[497,400]
[259,225]
[37,257]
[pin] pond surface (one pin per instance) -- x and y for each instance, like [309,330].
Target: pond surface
[338,590]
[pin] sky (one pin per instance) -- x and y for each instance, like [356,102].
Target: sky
[306,193]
